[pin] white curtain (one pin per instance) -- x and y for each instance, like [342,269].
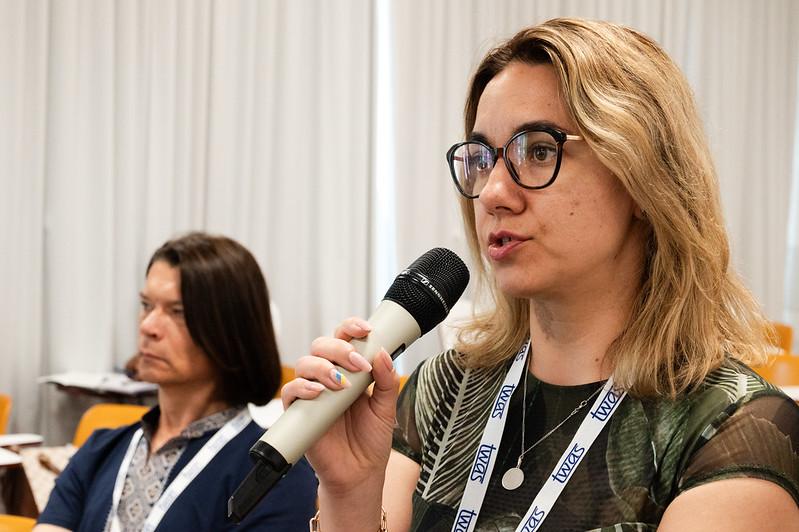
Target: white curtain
[23,99]
[791,313]
[740,57]
[126,123]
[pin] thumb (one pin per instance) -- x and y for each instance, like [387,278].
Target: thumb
[386,387]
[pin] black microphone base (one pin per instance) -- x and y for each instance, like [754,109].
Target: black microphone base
[269,467]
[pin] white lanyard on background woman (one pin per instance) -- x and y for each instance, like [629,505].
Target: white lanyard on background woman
[230,430]
[480,473]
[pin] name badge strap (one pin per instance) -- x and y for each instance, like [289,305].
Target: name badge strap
[120,480]
[485,457]
[593,423]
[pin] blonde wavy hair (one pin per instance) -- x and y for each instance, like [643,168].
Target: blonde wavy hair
[636,111]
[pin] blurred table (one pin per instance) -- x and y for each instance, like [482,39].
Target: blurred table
[791,391]
[26,482]
[9,458]
[110,386]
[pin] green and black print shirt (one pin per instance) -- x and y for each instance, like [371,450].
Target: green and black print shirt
[734,425]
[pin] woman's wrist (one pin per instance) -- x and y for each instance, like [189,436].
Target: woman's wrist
[315,524]
[352,510]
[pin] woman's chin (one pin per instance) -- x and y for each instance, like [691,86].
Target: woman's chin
[149,376]
[516,288]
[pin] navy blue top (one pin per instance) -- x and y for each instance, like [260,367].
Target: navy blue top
[81,499]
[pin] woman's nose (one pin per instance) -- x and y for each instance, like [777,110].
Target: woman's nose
[500,190]
[150,324]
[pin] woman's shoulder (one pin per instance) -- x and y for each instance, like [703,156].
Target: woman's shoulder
[102,441]
[749,428]
[736,392]
[724,390]
[727,387]
[732,387]
[727,396]
[734,382]
[732,424]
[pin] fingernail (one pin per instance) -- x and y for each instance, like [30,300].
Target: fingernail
[363,324]
[387,359]
[314,386]
[339,377]
[357,359]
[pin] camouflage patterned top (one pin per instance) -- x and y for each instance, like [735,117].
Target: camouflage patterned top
[735,425]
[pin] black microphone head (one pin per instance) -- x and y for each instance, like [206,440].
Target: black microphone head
[430,286]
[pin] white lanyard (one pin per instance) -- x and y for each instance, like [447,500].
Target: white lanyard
[480,473]
[222,437]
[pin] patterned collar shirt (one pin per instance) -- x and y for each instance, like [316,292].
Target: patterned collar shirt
[149,472]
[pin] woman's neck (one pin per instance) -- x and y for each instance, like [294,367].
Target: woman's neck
[570,342]
[180,407]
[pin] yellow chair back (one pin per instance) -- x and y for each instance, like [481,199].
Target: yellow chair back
[781,335]
[16,523]
[782,370]
[5,412]
[286,375]
[106,416]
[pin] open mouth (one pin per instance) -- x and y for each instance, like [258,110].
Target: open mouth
[501,244]
[499,240]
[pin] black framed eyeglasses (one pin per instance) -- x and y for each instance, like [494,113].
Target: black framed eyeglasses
[532,157]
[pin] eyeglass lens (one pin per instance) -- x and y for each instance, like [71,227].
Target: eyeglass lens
[531,155]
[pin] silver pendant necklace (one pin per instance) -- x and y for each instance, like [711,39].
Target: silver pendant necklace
[514,477]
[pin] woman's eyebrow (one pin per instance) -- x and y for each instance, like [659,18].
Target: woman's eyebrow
[478,137]
[535,124]
[169,302]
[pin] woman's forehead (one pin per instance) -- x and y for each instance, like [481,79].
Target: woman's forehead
[521,93]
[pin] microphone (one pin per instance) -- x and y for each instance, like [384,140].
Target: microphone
[419,299]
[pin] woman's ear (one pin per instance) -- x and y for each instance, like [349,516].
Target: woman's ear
[639,213]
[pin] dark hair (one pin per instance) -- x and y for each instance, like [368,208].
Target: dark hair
[226,307]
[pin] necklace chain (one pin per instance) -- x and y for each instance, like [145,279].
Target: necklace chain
[549,433]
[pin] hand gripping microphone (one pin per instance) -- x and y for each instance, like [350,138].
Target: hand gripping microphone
[418,300]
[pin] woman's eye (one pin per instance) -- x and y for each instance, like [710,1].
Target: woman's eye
[480,164]
[542,153]
[145,306]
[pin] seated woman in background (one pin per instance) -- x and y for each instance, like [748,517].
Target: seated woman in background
[206,339]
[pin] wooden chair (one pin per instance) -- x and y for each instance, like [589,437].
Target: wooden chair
[5,412]
[106,416]
[782,370]
[286,374]
[16,523]
[781,335]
